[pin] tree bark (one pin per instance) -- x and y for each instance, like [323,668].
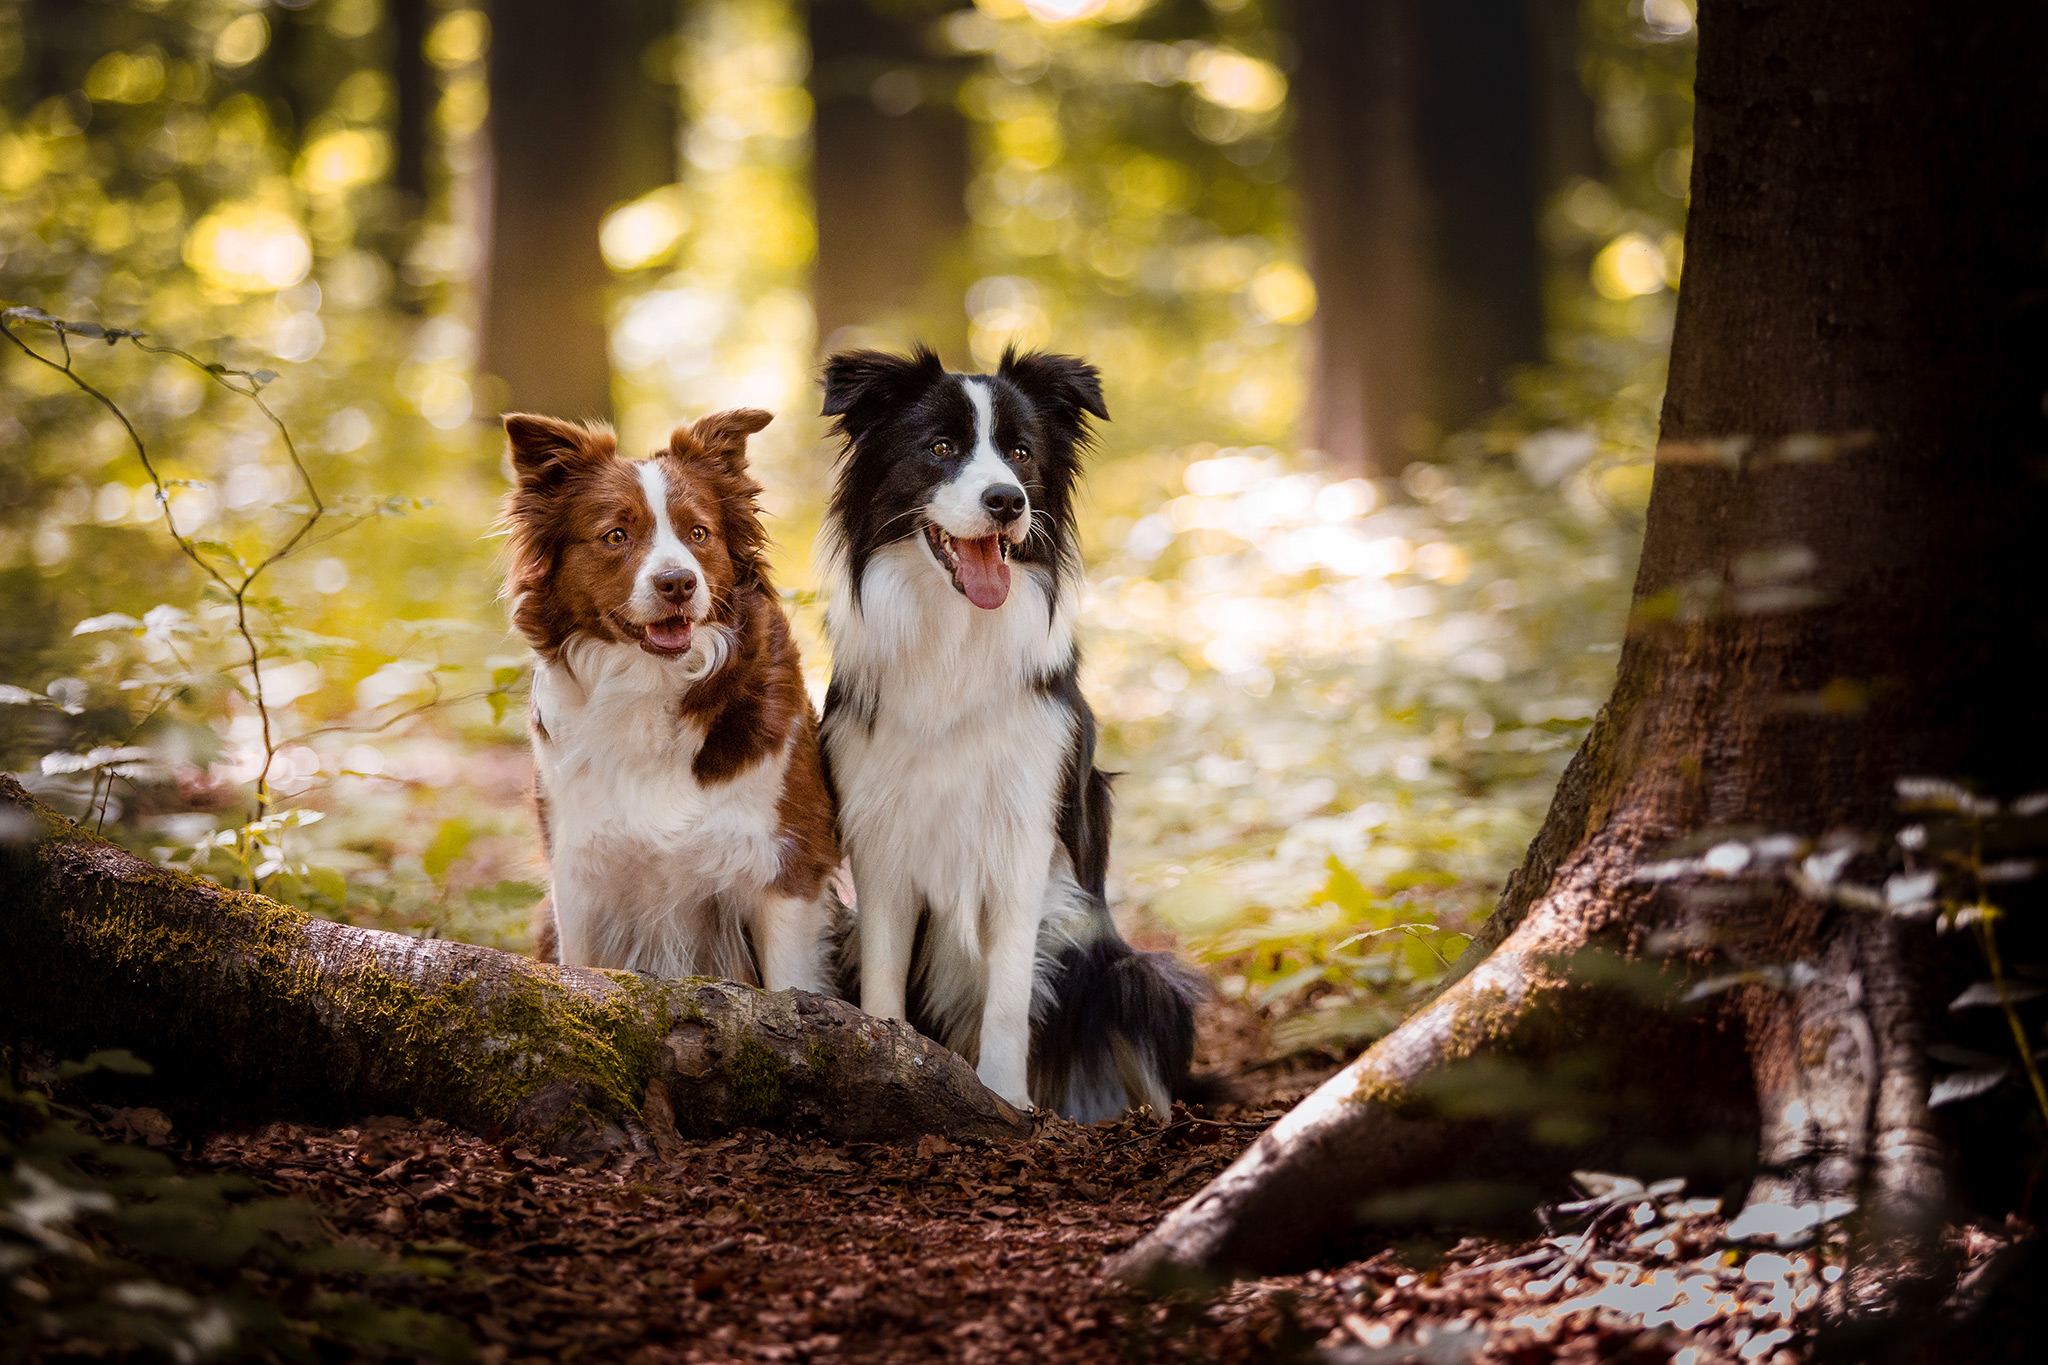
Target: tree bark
[1418,132]
[889,174]
[1839,588]
[248,1008]
[576,127]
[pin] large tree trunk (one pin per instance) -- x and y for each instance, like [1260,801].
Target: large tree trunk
[1840,586]
[576,127]
[889,174]
[248,1008]
[1418,136]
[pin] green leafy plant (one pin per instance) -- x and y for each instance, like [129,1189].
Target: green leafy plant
[185,676]
[105,1246]
[1960,856]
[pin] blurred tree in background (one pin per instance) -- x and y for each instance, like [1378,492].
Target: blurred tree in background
[582,116]
[889,170]
[1342,668]
[1419,133]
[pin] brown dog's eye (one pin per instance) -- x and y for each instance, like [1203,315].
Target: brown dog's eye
[615,536]
[697,533]
[942,449]
[1021,453]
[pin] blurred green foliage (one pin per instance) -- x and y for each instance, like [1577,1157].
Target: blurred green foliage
[1341,709]
[1339,706]
[1615,241]
[106,1249]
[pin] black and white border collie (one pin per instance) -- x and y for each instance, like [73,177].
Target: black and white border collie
[958,743]
[682,795]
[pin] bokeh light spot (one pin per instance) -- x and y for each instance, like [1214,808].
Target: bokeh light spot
[643,232]
[343,159]
[1629,266]
[1063,11]
[1668,18]
[1235,81]
[242,41]
[1282,292]
[460,38]
[249,247]
[122,78]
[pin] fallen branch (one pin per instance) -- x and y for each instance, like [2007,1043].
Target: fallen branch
[246,1006]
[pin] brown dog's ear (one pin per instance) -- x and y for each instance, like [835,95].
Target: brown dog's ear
[543,448]
[722,434]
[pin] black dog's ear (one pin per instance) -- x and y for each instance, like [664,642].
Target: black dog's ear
[1066,381]
[860,385]
[545,448]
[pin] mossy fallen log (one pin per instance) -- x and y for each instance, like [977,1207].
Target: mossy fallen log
[247,1007]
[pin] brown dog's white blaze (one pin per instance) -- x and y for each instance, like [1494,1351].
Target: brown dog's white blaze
[684,487]
[683,799]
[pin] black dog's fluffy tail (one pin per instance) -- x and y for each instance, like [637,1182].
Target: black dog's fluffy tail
[1118,1032]
[1114,1028]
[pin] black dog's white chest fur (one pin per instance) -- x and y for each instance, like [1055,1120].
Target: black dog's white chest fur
[960,747]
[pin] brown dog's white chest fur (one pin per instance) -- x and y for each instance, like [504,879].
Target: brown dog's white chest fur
[653,868]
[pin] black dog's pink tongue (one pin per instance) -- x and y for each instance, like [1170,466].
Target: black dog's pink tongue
[984,574]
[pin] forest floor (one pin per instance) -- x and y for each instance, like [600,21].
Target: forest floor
[757,1247]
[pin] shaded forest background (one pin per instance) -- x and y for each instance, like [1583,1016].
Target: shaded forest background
[1382,294]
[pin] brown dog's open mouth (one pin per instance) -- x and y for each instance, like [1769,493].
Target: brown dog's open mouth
[668,637]
[980,567]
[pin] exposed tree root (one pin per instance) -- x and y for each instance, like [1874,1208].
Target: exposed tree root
[1826,1097]
[1365,1131]
[243,1004]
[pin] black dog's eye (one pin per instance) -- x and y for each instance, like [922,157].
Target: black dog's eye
[615,536]
[942,449]
[1021,453]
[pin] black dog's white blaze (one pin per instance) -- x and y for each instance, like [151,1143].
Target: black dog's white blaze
[959,744]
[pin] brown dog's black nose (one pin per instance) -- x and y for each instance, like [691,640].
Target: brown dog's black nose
[675,584]
[1005,502]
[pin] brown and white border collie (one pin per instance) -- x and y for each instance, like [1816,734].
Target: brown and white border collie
[688,827]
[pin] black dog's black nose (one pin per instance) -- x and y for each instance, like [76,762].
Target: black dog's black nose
[1005,502]
[675,584]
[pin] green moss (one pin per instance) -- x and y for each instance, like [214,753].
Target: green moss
[1480,1019]
[819,1059]
[1377,1089]
[1478,1022]
[758,1079]
[155,943]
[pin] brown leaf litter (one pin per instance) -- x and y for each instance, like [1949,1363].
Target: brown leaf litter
[757,1247]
